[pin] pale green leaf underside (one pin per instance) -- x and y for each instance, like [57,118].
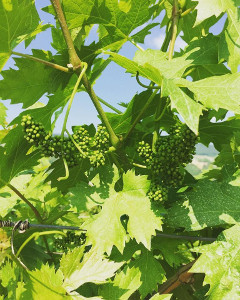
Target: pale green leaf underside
[217,91]
[220,262]
[206,8]
[93,268]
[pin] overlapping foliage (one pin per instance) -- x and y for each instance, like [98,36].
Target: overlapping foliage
[127,184]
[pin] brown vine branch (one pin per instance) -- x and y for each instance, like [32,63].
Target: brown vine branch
[182,276]
[175,18]
[47,63]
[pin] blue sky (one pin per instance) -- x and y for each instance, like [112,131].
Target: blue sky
[114,85]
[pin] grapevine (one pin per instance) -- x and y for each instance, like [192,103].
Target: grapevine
[120,150]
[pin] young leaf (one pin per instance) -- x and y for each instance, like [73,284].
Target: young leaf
[217,91]
[220,262]
[106,228]
[45,283]
[123,286]
[93,268]
[187,107]
[205,206]
[206,9]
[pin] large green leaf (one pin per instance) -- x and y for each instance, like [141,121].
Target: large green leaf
[44,283]
[33,79]
[210,203]
[123,286]
[93,268]
[205,50]
[218,133]
[18,21]
[152,272]
[15,157]
[186,106]
[106,229]
[206,9]
[153,64]
[229,46]
[118,23]
[220,262]
[122,122]
[217,91]
[194,32]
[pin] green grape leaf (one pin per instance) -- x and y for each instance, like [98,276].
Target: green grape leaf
[220,262]
[205,50]
[32,80]
[152,272]
[3,114]
[76,175]
[106,229]
[133,67]
[93,268]
[81,196]
[55,103]
[195,32]
[206,9]
[173,68]
[153,64]
[217,133]
[230,40]
[8,199]
[217,91]
[18,20]
[206,205]
[205,71]
[117,23]
[9,276]
[123,286]
[122,122]
[174,251]
[14,157]
[139,37]
[186,106]
[44,283]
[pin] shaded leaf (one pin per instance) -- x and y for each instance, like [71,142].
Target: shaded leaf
[220,262]
[206,205]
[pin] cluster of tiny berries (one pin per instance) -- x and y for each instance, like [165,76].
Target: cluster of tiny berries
[80,146]
[172,152]
[70,241]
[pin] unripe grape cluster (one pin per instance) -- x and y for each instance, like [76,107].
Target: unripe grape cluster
[166,162]
[70,241]
[79,146]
